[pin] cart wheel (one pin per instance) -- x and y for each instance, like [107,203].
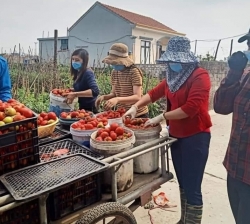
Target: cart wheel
[112,212]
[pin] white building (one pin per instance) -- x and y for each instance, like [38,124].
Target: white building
[103,25]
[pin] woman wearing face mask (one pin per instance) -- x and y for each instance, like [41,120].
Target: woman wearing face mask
[126,80]
[85,86]
[186,88]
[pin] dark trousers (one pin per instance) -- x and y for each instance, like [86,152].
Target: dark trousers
[239,198]
[189,157]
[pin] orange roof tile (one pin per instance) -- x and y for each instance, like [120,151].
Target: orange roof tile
[139,20]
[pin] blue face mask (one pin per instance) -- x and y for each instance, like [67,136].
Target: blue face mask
[118,67]
[247,53]
[176,67]
[76,65]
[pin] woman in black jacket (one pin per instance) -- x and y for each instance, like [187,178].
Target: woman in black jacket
[85,86]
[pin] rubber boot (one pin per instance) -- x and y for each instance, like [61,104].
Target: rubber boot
[193,214]
[183,206]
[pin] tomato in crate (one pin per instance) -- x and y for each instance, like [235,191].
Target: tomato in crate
[25,213]
[74,197]
[18,137]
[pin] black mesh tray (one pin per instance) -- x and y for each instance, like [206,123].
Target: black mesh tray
[47,177]
[57,135]
[46,151]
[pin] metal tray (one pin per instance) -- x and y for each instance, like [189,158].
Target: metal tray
[46,151]
[46,177]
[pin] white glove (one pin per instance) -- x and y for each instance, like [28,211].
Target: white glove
[131,112]
[155,120]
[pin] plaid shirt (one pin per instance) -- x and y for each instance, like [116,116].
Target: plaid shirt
[236,98]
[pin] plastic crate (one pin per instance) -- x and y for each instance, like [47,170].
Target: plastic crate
[57,135]
[18,145]
[27,213]
[74,197]
[46,151]
[3,190]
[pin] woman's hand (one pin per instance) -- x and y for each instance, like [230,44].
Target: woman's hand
[70,97]
[155,120]
[131,112]
[98,101]
[111,103]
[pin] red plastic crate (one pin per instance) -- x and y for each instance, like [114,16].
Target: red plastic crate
[18,145]
[74,197]
[27,213]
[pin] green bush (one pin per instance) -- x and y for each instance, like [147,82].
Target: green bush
[32,84]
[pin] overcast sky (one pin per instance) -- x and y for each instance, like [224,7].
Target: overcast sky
[23,21]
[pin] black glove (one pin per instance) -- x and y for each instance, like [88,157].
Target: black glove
[238,61]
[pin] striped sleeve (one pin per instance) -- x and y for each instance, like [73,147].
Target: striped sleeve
[136,77]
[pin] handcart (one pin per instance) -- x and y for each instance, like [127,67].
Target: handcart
[112,208]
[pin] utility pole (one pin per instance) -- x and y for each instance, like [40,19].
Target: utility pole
[35,48]
[55,56]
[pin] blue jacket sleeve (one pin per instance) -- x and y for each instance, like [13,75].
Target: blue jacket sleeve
[91,83]
[5,82]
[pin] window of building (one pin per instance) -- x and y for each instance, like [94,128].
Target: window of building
[64,44]
[145,52]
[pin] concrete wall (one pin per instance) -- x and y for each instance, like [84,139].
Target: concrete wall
[46,51]
[99,25]
[217,71]
[157,38]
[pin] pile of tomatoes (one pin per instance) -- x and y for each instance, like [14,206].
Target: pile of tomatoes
[79,114]
[46,118]
[111,114]
[61,92]
[89,124]
[137,123]
[113,133]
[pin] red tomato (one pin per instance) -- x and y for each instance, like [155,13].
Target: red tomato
[63,115]
[74,114]
[99,138]
[100,131]
[108,139]
[94,123]
[46,118]
[113,135]
[52,115]
[43,114]
[104,134]
[107,130]
[119,131]
[88,126]
[26,112]
[43,123]
[113,126]
[74,125]
[127,121]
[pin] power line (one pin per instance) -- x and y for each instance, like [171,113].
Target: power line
[225,38]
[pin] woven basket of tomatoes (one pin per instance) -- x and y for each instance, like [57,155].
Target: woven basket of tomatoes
[111,140]
[46,124]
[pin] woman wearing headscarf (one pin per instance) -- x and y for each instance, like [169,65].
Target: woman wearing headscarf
[186,89]
[126,81]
